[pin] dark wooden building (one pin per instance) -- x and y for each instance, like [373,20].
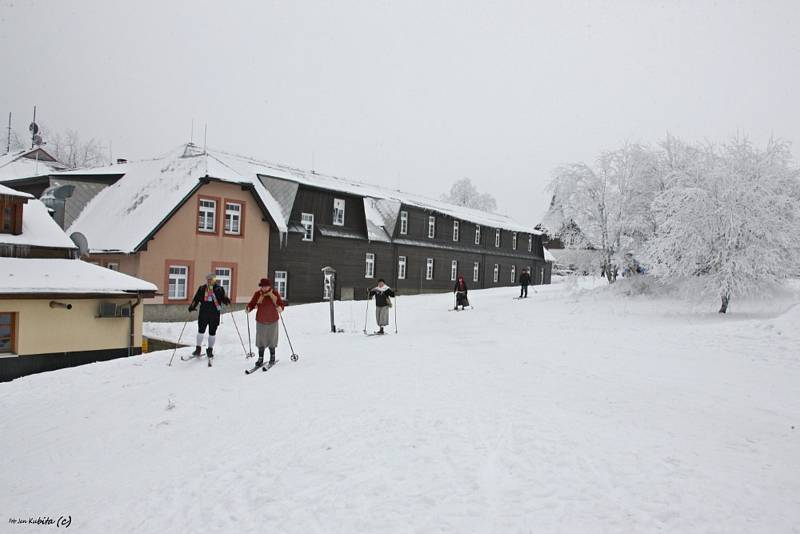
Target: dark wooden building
[416,245]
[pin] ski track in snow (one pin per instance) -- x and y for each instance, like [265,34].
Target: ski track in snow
[575,410]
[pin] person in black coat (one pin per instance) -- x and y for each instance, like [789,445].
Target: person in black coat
[210,297]
[524,282]
[460,290]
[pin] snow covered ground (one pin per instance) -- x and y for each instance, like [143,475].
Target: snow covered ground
[576,410]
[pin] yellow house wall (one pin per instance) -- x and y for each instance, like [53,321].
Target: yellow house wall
[41,329]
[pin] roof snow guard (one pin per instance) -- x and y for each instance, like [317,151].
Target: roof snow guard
[267,171]
[150,191]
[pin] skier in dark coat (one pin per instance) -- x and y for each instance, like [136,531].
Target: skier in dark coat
[460,290]
[382,303]
[524,282]
[210,297]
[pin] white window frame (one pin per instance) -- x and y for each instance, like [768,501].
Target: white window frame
[233,216]
[207,212]
[174,295]
[115,266]
[530,242]
[369,265]
[403,223]
[222,278]
[453,270]
[280,281]
[514,241]
[307,220]
[476,270]
[455,231]
[429,269]
[431,227]
[338,211]
[402,267]
[497,238]
[513,273]
[477,234]
[496,275]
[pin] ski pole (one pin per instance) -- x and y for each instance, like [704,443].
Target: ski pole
[249,339]
[240,336]
[177,342]
[294,356]
[366,311]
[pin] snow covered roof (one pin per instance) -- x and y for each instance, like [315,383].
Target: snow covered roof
[62,276]
[553,219]
[38,228]
[28,163]
[13,192]
[548,256]
[381,216]
[124,215]
[332,183]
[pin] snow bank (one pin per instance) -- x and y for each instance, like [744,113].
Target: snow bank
[574,410]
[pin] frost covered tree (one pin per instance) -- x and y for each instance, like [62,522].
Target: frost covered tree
[464,193]
[610,202]
[10,142]
[75,153]
[727,218]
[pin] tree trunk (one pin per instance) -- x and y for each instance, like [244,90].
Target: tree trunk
[725,300]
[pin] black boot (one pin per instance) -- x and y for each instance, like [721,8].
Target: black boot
[197,350]
[210,352]
[260,360]
[271,356]
[381,331]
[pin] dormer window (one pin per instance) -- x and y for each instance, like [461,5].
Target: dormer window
[338,211]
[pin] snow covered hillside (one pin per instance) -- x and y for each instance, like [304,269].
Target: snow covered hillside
[576,410]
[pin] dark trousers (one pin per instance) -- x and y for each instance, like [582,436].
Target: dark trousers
[208,318]
[523,290]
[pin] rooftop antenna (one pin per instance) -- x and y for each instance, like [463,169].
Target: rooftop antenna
[313,170]
[33,128]
[205,146]
[8,142]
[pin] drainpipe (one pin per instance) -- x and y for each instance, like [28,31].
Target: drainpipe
[133,324]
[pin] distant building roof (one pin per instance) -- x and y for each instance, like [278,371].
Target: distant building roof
[26,276]
[28,163]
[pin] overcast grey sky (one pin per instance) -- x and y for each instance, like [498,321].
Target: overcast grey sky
[413,94]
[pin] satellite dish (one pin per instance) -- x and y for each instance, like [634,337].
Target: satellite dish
[80,241]
[60,192]
[37,140]
[34,128]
